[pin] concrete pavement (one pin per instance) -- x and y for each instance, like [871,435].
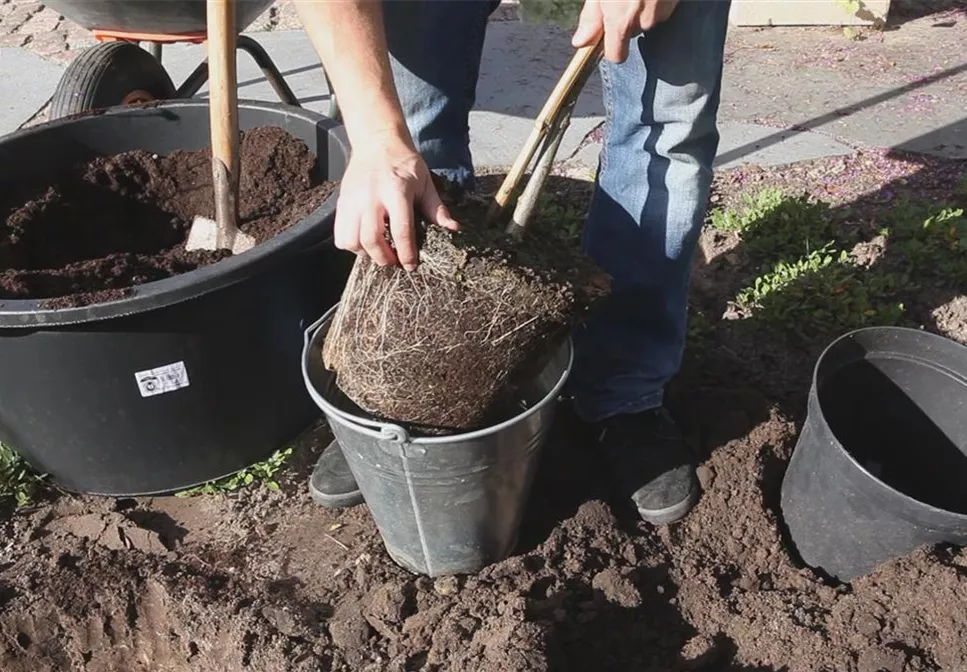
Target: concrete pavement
[833,88]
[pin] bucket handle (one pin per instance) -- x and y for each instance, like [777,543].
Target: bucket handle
[388,431]
[312,328]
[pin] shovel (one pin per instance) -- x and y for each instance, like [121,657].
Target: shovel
[222,233]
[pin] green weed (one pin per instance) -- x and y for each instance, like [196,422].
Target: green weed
[263,472]
[17,480]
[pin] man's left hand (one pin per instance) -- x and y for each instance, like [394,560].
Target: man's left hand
[619,20]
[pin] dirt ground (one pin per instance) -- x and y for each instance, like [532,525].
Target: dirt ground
[266,581]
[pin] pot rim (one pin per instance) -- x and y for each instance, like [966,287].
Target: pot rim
[150,296]
[814,401]
[388,431]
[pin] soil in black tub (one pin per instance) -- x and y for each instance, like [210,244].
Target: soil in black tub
[97,229]
[892,434]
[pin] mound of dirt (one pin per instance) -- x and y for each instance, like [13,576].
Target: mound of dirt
[114,222]
[270,582]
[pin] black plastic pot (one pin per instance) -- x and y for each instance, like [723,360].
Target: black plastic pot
[79,387]
[880,466]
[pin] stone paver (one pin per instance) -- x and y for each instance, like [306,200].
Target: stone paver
[740,143]
[20,97]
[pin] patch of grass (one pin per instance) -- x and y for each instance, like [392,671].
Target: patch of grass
[263,473]
[775,225]
[17,480]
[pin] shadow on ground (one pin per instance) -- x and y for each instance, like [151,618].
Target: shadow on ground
[904,11]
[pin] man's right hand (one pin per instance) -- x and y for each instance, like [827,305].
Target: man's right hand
[385,181]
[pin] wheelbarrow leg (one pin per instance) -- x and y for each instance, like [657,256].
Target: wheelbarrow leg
[262,59]
[194,81]
[199,76]
[154,48]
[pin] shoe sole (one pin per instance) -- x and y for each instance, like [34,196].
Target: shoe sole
[341,501]
[670,514]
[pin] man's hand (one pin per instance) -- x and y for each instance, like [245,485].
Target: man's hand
[385,179]
[619,20]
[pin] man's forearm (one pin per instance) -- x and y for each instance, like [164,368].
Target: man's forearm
[350,39]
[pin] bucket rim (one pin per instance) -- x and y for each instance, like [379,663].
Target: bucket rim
[922,507]
[394,432]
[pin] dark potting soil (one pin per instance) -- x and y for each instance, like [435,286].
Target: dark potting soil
[102,227]
[443,348]
[271,582]
[268,581]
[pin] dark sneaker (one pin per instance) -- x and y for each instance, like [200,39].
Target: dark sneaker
[651,464]
[332,484]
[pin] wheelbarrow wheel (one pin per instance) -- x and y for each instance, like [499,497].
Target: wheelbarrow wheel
[109,75]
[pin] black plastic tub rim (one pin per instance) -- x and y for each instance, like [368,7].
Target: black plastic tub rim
[299,237]
[908,513]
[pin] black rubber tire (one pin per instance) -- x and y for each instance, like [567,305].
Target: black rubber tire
[104,75]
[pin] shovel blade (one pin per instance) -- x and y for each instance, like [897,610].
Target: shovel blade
[205,235]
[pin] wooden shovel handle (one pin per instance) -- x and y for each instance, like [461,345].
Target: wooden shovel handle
[574,75]
[223,107]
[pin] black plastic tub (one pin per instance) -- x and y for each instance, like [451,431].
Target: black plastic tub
[880,467]
[187,379]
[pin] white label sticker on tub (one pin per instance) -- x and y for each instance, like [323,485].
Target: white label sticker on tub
[163,379]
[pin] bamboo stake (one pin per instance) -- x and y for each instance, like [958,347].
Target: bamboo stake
[570,83]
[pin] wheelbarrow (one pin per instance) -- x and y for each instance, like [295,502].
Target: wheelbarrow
[119,71]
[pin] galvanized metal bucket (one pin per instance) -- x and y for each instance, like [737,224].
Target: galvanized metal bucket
[443,505]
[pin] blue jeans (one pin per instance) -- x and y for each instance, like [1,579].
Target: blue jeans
[651,188]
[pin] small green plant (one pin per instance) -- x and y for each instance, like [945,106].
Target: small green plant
[851,7]
[561,218]
[263,472]
[822,293]
[700,329]
[755,207]
[930,241]
[17,480]
[775,225]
